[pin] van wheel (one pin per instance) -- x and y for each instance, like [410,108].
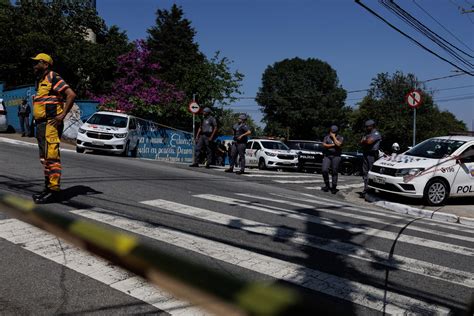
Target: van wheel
[436,192]
[261,164]
[79,150]
[126,150]
[134,152]
[347,168]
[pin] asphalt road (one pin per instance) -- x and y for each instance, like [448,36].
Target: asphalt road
[261,226]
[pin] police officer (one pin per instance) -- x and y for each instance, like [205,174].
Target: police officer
[204,136]
[332,144]
[241,133]
[49,111]
[370,147]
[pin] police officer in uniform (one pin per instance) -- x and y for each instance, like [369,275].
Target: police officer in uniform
[332,144]
[370,147]
[205,136]
[241,133]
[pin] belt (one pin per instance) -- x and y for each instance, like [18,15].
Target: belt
[42,120]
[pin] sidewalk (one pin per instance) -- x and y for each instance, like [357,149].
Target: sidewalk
[456,210]
[32,140]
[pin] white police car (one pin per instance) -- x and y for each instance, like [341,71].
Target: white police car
[435,169]
[109,131]
[270,154]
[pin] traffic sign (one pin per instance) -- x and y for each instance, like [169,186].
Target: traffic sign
[414,99]
[194,107]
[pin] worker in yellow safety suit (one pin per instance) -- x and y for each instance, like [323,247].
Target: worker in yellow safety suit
[49,111]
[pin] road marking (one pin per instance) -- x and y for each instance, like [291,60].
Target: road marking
[356,292]
[50,247]
[340,187]
[358,252]
[299,181]
[320,200]
[361,217]
[23,143]
[355,229]
[276,176]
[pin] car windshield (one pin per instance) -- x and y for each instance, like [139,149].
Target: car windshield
[435,148]
[274,145]
[108,120]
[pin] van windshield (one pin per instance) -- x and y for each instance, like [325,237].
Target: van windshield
[435,148]
[108,120]
[274,145]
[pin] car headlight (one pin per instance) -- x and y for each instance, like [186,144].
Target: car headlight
[408,172]
[81,130]
[270,154]
[121,135]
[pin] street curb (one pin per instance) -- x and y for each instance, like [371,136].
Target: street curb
[409,210]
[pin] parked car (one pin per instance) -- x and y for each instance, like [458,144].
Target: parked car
[310,157]
[3,117]
[109,131]
[434,170]
[310,154]
[270,154]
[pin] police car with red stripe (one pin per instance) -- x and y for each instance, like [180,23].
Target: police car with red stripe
[434,170]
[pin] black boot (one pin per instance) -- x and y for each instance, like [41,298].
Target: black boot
[46,196]
[326,187]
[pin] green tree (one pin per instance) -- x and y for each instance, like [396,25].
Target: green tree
[59,28]
[210,80]
[301,98]
[385,103]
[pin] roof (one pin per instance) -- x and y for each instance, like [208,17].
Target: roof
[113,113]
[457,137]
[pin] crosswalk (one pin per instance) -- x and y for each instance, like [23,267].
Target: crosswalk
[314,230]
[298,179]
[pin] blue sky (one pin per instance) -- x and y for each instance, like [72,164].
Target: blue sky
[257,33]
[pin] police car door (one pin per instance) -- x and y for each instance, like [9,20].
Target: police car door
[249,153]
[464,182]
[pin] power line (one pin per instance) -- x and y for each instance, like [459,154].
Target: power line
[409,37]
[427,13]
[427,32]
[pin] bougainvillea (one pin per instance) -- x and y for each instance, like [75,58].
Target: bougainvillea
[137,88]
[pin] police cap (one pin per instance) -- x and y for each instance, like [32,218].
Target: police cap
[369,123]
[242,117]
[207,110]
[334,129]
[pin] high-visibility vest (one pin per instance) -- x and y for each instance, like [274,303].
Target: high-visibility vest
[48,101]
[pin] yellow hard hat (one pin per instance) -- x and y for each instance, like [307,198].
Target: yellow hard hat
[43,56]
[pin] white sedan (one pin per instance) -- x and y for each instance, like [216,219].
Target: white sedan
[434,170]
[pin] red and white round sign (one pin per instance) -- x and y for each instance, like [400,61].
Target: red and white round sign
[414,99]
[194,107]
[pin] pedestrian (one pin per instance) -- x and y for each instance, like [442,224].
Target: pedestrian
[370,148]
[24,111]
[241,133]
[204,137]
[49,111]
[332,144]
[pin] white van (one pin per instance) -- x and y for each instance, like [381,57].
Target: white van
[435,169]
[3,117]
[111,132]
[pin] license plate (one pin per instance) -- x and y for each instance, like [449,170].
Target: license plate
[94,142]
[379,180]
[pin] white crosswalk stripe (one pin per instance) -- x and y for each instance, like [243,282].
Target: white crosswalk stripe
[299,181]
[50,247]
[356,292]
[340,187]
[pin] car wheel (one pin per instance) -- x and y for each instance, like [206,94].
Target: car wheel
[436,192]
[347,168]
[79,150]
[126,150]
[261,164]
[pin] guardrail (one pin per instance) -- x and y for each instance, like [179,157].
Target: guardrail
[217,292]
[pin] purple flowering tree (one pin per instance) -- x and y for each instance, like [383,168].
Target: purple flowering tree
[137,88]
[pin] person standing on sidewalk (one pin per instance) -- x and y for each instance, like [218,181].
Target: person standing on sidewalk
[370,147]
[49,111]
[24,111]
[241,133]
[332,144]
[205,136]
